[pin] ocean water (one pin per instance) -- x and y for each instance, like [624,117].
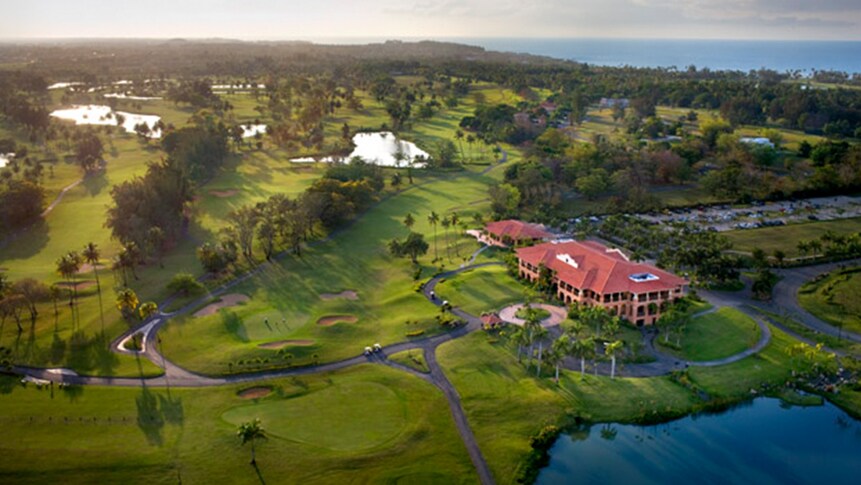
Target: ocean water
[735,55]
[740,55]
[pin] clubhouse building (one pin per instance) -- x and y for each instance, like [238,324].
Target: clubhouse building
[590,273]
[514,233]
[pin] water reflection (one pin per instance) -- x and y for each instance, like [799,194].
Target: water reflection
[764,442]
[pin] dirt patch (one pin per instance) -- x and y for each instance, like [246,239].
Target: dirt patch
[225,301]
[280,344]
[346,294]
[88,268]
[222,194]
[330,320]
[79,285]
[255,392]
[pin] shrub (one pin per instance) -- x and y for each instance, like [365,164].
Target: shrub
[186,284]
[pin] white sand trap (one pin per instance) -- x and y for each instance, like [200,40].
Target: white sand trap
[250,130]
[225,301]
[346,294]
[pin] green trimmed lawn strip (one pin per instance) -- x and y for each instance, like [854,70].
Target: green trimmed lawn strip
[715,335]
[482,289]
[786,238]
[150,435]
[414,359]
[835,299]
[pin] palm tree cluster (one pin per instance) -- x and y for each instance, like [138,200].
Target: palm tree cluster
[574,341]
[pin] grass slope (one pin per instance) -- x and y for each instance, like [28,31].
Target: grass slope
[835,299]
[120,435]
[716,335]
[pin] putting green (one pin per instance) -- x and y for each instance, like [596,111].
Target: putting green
[344,417]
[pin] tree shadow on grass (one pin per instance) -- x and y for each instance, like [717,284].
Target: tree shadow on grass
[233,324]
[259,474]
[106,361]
[25,243]
[150,419]
[95,183]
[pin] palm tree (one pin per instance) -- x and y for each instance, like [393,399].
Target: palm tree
[130,256]
[521,337]
[68,266]
[446,222]
[409,221]
[127,301]
[91,255]
[540,334]
[454,221]
[532,325]
[583,349]
[433,219]
[147,310]
[561,348]
[459,136]
[249,433]
[611,349]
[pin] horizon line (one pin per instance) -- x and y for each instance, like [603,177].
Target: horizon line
[358,38]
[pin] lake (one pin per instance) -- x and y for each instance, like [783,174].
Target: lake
[252,130]
[762,442]
[103,115]
[4,159]
[379,149]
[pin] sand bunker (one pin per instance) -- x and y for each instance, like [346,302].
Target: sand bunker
[79,285]
[88,268]
[222,194]
[330,320]
[280,344]
[225,301]
[346,294]
[255,392]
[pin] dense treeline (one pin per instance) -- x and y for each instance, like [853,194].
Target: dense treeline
[336,198]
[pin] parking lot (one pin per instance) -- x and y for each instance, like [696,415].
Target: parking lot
[730,218]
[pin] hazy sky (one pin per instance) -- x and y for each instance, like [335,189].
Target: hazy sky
[315,19]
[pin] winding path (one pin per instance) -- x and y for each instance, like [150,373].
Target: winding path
[175,375]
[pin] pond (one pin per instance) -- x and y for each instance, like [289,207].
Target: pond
[765,441]
[131,97]
[252,130]
[4,159]
[103,115]
[378,148]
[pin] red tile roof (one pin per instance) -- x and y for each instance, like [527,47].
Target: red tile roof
[593,266]
[491,319]
[517,230]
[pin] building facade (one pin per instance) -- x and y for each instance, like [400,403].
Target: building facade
[514,233]
[589,273]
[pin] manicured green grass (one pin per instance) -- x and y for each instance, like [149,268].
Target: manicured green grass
[481,290]
[716,335]
[835,298]
[734,381]
[152,435]
[411,358]
[506,405]
[357,259]
[786,238]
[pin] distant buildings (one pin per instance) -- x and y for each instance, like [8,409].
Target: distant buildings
[589,273]
[607,103]
[757,141]
[514,233]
